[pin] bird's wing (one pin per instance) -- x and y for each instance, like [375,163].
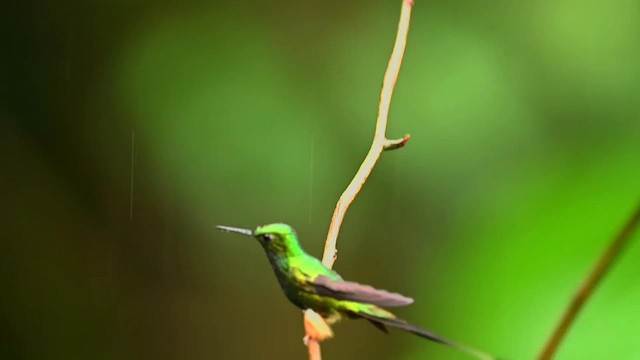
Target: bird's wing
[352,291]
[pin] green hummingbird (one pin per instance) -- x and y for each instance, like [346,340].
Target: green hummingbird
[309,284]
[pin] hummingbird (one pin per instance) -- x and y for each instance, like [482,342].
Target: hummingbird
[309,284]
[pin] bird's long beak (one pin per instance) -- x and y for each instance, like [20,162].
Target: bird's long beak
[235,230]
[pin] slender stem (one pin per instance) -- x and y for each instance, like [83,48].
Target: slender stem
[314,349]
[380,144]
[607,259]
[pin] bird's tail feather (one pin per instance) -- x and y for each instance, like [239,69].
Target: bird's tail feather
[403,325]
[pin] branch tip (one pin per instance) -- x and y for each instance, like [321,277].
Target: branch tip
[396,144]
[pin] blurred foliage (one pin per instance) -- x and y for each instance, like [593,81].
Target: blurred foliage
[524,161]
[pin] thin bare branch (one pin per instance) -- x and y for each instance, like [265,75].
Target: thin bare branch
[594,278]
[314,349]
[380,144]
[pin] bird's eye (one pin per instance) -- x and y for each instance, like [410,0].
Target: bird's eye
[267,237]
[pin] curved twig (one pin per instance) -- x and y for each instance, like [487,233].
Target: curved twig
[380,144]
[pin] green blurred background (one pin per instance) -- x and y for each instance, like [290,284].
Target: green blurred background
[524,161]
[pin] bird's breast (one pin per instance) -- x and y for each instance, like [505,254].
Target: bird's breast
[291,281]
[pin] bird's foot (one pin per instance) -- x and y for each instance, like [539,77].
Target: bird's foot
[315,327]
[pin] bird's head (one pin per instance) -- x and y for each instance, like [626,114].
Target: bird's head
[276,239]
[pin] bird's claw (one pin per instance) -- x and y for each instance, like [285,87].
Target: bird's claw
[315,327]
